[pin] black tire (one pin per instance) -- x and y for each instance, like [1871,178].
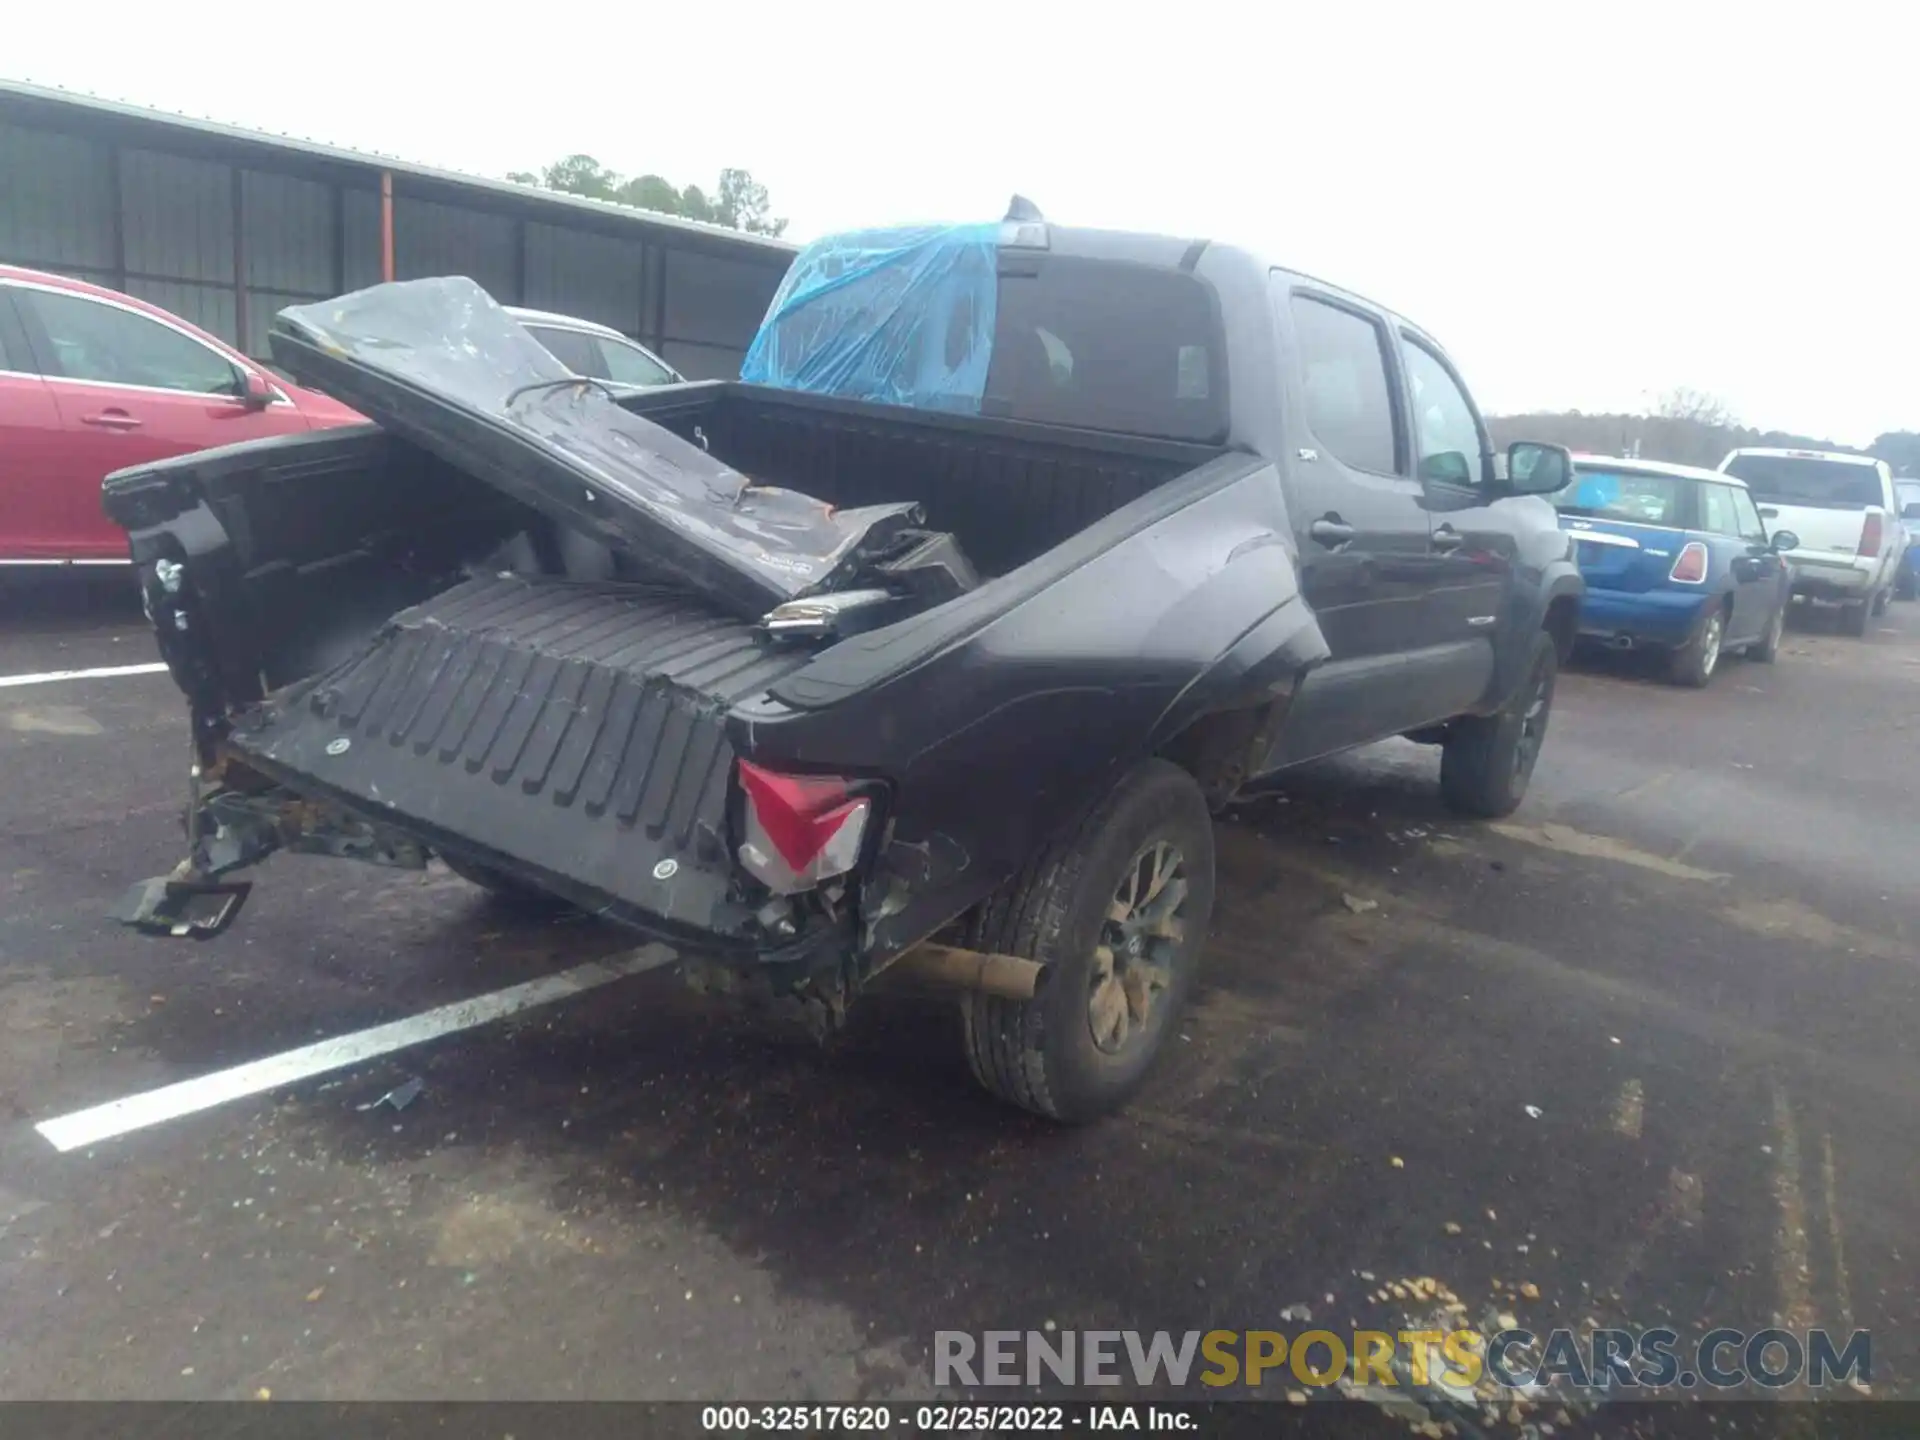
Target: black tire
[1904,586]
[503,887]
[1853,619]
[1696,662]
[1042,1054]
[1767,648]
[1879,605]
[1488,759]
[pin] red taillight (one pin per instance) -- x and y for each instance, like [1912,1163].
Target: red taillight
[801,829]
[1870,535]
[1691,567]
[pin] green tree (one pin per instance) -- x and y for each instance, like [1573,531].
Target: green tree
[651,192]
[744,204]
[1900,449]
[739,201]
[575,175]
[695,205]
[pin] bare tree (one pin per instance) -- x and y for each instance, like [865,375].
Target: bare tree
[1683,402]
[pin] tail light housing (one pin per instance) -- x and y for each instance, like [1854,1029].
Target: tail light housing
[1690,566]
[800,829]
[1870,534]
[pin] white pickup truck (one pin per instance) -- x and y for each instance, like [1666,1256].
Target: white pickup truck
[1845,512]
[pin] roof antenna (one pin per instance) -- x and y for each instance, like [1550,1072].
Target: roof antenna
[1023,210]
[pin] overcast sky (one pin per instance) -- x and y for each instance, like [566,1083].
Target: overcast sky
[1588,204]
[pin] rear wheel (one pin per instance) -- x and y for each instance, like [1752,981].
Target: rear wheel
[1767,647]
[1880,602]
[1904,586]
[1117,912]
[1853,618]
[1487,759]
[1693,663]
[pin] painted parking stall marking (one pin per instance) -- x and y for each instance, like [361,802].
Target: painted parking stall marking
[106,672]
[189,1097]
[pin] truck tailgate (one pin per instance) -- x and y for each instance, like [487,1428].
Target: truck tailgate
[1826,533]
[577,729]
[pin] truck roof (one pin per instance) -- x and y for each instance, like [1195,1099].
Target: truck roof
[1186,252]
[1845,457]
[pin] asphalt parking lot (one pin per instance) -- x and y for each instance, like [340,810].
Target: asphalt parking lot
[1643,1054]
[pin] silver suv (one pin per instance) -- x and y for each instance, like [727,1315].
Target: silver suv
[597,351]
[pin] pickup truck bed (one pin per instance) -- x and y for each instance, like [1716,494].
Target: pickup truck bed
[584,724]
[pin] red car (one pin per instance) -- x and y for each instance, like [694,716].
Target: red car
[92,380]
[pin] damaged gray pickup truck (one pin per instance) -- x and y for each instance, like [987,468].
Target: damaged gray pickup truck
[935,650]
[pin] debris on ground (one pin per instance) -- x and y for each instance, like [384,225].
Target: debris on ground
[1534,1112]
[1358,905]
[399,1097]
[1298,1312]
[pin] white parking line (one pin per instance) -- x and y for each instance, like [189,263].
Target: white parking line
[188,1097]
[104,673]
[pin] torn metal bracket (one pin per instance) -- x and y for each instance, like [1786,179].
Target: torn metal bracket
[238,830]
[183,908]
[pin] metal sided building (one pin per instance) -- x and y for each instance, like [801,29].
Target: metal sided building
[226,226]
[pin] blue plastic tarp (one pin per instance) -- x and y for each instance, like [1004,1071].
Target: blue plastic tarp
[897,316]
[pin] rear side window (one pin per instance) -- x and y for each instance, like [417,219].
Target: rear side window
[1752,527]
[1717,512]
[630,365]
[1809,480]
[572,349]
[1633,496]
[1343,366]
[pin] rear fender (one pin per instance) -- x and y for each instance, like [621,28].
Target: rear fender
[1004,739]
[1221,723]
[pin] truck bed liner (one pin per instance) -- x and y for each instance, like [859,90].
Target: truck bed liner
[576,728]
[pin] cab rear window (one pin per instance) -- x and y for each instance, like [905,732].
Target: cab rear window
[1808,480]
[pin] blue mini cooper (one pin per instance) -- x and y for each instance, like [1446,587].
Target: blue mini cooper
[1676,558]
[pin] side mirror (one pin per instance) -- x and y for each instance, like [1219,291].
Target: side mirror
[255,392]
[1910,511]
[1769,512]
[1782,541]
[1536,469]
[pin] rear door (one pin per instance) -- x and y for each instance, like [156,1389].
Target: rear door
[36,520]
[130,389]
[1727,514]
[1362,534]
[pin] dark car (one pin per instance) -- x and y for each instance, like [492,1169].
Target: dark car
[934,650]
[1676,559]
